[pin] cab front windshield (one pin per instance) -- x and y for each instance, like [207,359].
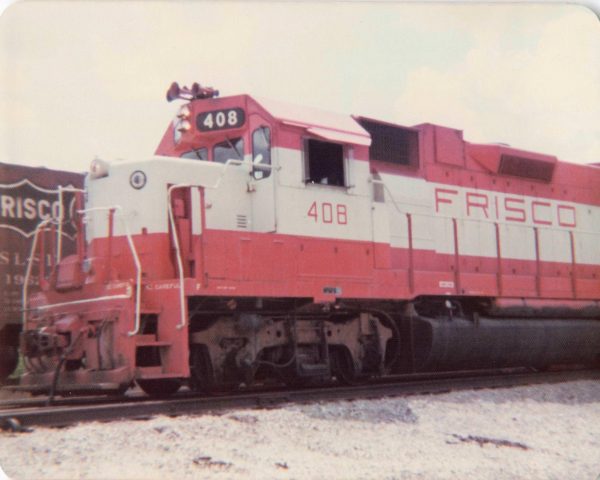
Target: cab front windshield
[229,149]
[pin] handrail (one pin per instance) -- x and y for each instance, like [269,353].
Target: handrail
[136,259]
[25,294]
[180,272]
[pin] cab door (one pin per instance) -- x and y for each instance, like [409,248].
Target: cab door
[262,183]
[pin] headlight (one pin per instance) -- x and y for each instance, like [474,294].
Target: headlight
[98,168]
[179,128]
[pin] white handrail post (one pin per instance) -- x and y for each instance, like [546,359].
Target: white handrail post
[138,281]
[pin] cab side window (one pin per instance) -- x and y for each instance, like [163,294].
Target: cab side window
[261,152]
[324,163]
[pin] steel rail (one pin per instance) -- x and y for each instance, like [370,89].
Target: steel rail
[189,405]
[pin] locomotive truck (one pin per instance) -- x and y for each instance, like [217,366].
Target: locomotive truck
[271,242]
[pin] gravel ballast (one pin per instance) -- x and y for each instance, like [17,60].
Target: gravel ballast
[538,432]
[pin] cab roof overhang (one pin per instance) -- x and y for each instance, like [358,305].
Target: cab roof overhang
[333,127]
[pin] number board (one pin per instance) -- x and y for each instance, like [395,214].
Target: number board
[220,119]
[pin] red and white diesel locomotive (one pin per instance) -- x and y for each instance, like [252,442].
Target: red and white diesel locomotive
[269,241]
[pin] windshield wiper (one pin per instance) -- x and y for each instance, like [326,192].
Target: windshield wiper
[234,149]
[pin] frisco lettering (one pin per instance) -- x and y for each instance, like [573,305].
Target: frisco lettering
[507,208]
[28,208]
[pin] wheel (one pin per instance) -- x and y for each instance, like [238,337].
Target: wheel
[163,387]
[9,359]
[203,375]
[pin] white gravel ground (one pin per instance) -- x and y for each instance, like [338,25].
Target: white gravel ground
[542,432]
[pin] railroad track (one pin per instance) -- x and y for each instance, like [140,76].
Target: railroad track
[33,412]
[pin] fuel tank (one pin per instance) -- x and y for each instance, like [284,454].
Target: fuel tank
[440,344]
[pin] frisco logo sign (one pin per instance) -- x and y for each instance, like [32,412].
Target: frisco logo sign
[23,205]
